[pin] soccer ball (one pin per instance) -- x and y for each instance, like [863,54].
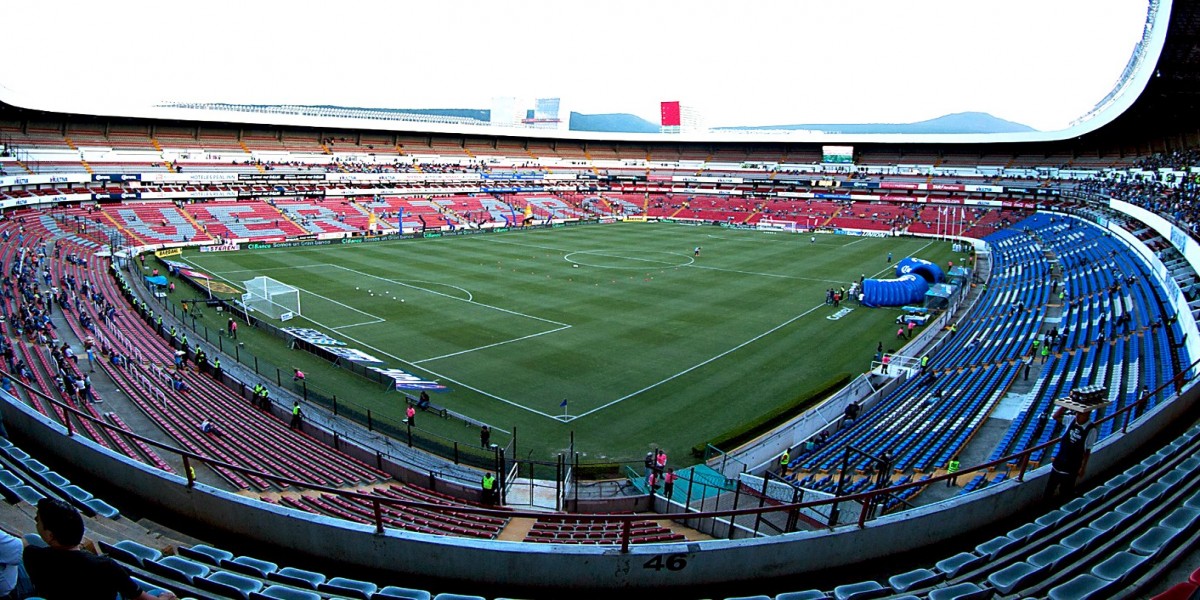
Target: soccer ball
[576,266]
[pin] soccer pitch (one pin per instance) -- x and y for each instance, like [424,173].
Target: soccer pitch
[649,344]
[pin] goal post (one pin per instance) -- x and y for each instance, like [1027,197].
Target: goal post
[271,298]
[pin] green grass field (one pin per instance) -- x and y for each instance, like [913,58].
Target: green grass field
[650,346]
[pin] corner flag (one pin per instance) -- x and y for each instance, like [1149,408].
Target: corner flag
[563,404]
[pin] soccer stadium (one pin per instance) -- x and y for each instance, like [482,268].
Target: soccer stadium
[312,352]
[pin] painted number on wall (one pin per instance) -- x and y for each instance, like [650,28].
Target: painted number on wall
[670,562]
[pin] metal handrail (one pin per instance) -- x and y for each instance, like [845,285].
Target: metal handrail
[1021,458]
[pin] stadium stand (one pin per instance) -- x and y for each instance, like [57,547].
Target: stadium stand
[1118,323]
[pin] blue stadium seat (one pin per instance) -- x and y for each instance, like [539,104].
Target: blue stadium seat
[914,579]
[130,552]
[393,592]
[995,546]
[1121,568]
[1050,556]
[961,591]
[446,596]
[282,592]
[1026,532]
[1052,518]
[863,590]
[28,494]
[297,577]
[1181,518]
[348,587]
[55,479]
[206,554]
[804,595]
[963,561]
[103,508]
[1014,577]
[227,583]
[77,493]
[1082,587]
[1153,541]
[1109,521]
[1082,539]
[1133,506]
[248,565]
[177,567]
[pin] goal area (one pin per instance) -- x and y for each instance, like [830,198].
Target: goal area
[271,298]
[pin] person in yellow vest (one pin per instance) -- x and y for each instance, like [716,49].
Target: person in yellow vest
[489,488]
[784,459]
[297,416]
[952,469]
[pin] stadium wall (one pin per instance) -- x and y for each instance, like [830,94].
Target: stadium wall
[565,567]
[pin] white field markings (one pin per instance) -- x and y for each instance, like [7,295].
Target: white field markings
[468,300]
[374,318]
[692,263]
[435,374]
[717,357]
[699,364]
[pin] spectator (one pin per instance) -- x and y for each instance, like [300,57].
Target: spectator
[851,415]
[62,571]
[210,428]
[1073,451]
[669,483]
[14,582]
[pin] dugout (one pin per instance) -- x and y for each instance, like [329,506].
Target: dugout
[960,276]
[939,296]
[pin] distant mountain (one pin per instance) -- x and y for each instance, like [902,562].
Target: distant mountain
[964,122]
[479,114]
[618,122]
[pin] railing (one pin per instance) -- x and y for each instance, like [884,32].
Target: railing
[869,500]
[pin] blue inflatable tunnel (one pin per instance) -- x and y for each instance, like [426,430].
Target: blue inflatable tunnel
[928,271]
[907,289]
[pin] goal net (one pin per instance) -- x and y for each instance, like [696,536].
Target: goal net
[271,298]
[780,225]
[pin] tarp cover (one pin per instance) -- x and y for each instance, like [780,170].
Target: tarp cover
[156,280]
[908,289]
[919,266]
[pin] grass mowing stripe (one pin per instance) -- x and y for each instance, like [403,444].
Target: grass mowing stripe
[638,327]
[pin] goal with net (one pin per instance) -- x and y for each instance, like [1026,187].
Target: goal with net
[272,298]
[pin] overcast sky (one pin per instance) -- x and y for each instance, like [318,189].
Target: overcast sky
[1041,63]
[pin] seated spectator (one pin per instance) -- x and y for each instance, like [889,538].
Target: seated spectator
[423,401]
[14,582]
[178,383]
[210,428]
[61,571]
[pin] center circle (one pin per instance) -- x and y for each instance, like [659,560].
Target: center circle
[618,259]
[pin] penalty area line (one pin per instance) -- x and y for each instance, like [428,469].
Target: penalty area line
[435,374]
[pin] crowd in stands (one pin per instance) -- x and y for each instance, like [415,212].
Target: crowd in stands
[1177,197]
